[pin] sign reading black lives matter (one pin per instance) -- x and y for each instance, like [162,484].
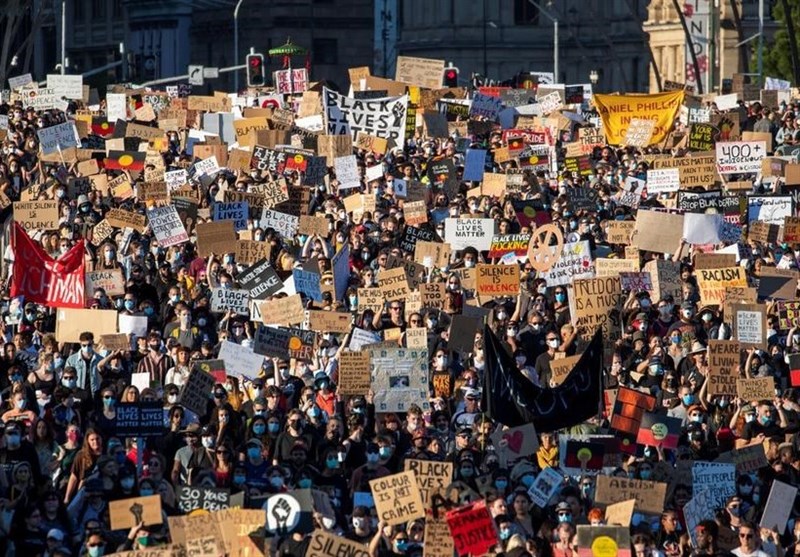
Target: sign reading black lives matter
[139,419]
[384,117]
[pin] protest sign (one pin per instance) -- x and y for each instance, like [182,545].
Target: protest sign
[116,341]
[310,225]
[215,237]
[139,419]
[194,393]
[36,215]
[663,180]
[772,209]
[779,506]
[260,280]
[323,544]
[756,389]
[740,157]
[472,528]
[605,267]
[329,321]
[597,303]
[282,223]
[575,262]
[547,483]
[58,138]
[66,86]
[192,498]
[657,231]
[701,229]
[620,513]
[397,498]
[649,495]
[697,170]
[250,251]
[399,378]
[240,361]
[354,373]
[465,232]
[167,226]
[225,299]
[515,442]
[111,281]
[603,541]
[702,137]
[438,541]
[383,117]
[509,243]
[497,280]
[71,322]
[658,430]
[717,479]
[237,212]
[635,282]
[750,458]
[723,361]
[750,325]
[127,513]
[713,282]
[485,106]
[288,310]
[432,477]
[619,232]
[639,133]
[393,284]
[283,342]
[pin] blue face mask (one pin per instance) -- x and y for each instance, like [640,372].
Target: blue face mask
[304,483]
[58,362]
[96,551]
[565,518]
[687,399]
[501,484]
[149,311]
[645,474]
[259,429]
[527,480]
[109,402]
[332,463]
[765,420]
[144,492]
[253,452]
[273,427]
[385,452]
[129,305]
[505,534]
[560,298]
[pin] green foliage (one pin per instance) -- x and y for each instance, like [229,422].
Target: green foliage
[777,60]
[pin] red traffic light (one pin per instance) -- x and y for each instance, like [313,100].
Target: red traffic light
[450,77]
[255,70]
[255,61]
[450,74]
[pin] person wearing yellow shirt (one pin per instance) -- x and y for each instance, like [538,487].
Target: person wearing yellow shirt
[547,455]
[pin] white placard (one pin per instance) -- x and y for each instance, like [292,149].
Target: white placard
[575,262]
[727,102]
[240,360]
[116,107]
[132,324]
[545,486]
[700,229]
[769,209]
[207,167]
[285,224]
[224,299]
[175,179]
[167,226]
[663,180]
[346,169]
[20,81]
[463,233]
[375,172]
[779,506]
[384,117]
[740,157]
[66,86]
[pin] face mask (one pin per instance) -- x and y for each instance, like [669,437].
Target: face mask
[126,483]
[553,343]
[441,360]
[745,489]
[501,484]
[645,474]
[109,255]
[467,472]
[129,305]
[749,418]
[109,402]
[586,490]
[431,323]
[707,317]
[328,523]
[202,321]
[239,480]
[385,452]
[469,263]
[175,298]
[676,340]
[332,463]
[541,289]
[520,360]
[304,483]
[20,404]
[687,313]
[273,427]
[644,303]
[96,551]
[400,546]
[565,518]
[765,420]
[665,311]
[145,492]
[501,315]
[276,481]
[373,457]
[696,419]
[172,399]
[259,429]
[69,383]
[208,442]
[58,362]
[687,399]
[13,441]
[253,452]
[560,297]
[359,523]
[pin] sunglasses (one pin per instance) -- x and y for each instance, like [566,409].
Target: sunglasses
[746,536]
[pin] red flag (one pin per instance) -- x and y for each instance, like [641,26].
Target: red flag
[44,280]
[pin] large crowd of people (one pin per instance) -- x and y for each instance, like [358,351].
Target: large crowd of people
[286,427]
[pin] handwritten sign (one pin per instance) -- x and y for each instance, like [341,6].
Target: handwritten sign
[397,498]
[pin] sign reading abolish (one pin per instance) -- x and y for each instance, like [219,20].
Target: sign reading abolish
[384,117]
[617,112]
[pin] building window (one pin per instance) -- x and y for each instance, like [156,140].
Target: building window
[525,13]
[98,8]
[325,51]
[77,12]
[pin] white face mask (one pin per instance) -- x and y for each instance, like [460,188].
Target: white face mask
[553,343]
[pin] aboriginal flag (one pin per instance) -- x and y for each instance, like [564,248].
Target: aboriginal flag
[659,430]
[125,160]
[516,143]
[794,370]
[102,127]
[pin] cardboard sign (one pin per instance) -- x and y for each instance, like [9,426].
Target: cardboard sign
[424,72]
[432,477]
[619,232]
[397,498]
[394,284]
[354,377]
[70,323]
[250,251]
[649,496]
[497,280]
[575,263]
[195,392]
[605,267]
[314,225]
[620,513]
[472,528]
[750,325]
[323,544]
[723,361]
[110,281]
[438,541]
[215,237]
[117,341]
[329,321]
[639,133]
[36,215]
[547,483]
[750,458]
[119,218]
[759,388]
[657,231]
[58,138]
[562,367]
[127,513]
[713,282]
[666,279]
[516,442]
[283,311]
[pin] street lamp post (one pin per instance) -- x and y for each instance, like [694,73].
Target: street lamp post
[554,19]
[63,37]
[236,44]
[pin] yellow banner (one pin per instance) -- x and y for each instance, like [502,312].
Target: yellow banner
[617,111]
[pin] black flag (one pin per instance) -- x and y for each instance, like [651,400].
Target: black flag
[511,399]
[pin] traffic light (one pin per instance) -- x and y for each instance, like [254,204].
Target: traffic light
[450,77]
[255,70]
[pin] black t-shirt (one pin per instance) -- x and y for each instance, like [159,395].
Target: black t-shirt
[290,547]
[755,428]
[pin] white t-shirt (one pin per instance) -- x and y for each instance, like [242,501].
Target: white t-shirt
[739,552]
